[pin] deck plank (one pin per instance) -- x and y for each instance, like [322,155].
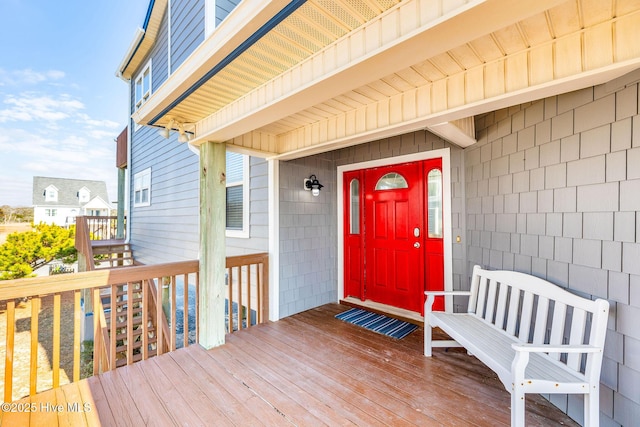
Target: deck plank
[392,373]
[309,369]
[150,409]
[328,393]
[270,390]
[233,392]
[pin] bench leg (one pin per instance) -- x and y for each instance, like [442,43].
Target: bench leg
[592,408]
[427,325]
[427,339]
[517,407]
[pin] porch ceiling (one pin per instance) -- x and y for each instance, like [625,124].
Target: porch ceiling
[323,74]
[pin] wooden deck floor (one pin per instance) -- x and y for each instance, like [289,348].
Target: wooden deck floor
[309,370]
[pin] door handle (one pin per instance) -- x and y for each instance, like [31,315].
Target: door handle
[416,245]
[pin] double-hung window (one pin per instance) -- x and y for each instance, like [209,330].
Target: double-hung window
[142,188]
[142,87]
[237,195]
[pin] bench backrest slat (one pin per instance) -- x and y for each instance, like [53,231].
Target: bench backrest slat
[508,300]
[578,326]
[479,297]
[557,326]
[512,313]
[527,312]
[542,311]
[491,301]
[501,309]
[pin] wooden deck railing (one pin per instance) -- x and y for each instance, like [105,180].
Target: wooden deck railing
[247,290]
[98,227]
[127,303]
[119,329]
[97,244]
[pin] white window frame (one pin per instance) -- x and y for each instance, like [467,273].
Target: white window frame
[144,94]
[52,212]
[138,179]
[244,233]
[209,17]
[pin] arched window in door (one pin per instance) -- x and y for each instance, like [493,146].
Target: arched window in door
[391,181]
[434,203]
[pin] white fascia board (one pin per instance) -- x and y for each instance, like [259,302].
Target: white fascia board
[137,38]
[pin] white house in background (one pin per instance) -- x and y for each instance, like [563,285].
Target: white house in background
[59,200]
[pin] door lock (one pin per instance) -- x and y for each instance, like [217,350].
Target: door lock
[416,232]
[416,245]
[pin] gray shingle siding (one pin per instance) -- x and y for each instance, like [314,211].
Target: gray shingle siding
[583,236]
[308,235]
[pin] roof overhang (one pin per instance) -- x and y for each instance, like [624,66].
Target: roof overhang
[290,79]
[143,40]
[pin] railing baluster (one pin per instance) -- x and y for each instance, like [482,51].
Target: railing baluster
[145,319]
[113,320]
[197,305]
[185,312]
[97,347]
[56,340]
[240,310]
[129,323]
[77,319]
[259,296]
[230,301]
[172,309]
[8,361]
[159,316]
[33,363]
[249,295]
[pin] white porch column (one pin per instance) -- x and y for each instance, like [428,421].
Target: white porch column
[212,244]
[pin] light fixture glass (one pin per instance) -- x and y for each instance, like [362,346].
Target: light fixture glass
[167,129]
[164,132]
[313,184]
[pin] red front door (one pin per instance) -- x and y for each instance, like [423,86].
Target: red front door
[393,233]
[393,240]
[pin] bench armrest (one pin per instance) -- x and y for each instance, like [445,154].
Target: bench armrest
[551,348]
[431,297]
[436,293]
[521,359]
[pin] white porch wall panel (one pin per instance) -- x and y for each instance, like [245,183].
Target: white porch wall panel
[552,190]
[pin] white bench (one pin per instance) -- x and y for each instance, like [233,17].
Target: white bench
[537,337]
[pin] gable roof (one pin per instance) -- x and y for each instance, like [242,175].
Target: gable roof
[67,190]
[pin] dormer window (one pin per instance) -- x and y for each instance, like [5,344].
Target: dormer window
[84,195]
[51,194]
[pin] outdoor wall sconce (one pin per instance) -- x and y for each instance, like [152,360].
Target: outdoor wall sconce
[313,184]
